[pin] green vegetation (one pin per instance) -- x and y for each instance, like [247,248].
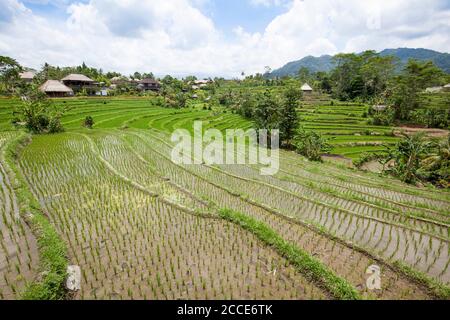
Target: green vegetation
[311,144]
[105,195]
[52,251]
[88,122]
[9,75]
[116,182]
[419,159]
[38,114]
[405,88]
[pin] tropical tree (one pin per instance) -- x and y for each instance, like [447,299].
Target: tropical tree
[405,88]
[362,76]
[435,167]
[304,75]
[407,156]
[288,114]
[9,74]
[246,105]
[37,113]
[266,115]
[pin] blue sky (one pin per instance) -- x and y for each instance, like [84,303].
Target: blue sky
[212,37]
[228,14]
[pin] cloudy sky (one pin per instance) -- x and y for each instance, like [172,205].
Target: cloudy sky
[212,37]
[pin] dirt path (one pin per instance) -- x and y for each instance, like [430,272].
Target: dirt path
[435,133]
[338,159]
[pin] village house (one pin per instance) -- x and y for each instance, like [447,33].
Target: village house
[79,82]
[306,89]
[55,88]
[149,85]
[27,76]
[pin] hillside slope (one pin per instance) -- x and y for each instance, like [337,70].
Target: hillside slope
[325,63]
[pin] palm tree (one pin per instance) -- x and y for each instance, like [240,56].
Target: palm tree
[408,154]
[436,166]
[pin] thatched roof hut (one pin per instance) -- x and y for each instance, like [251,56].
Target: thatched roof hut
[306,88]
[55,88]
[27,75]
[74,77]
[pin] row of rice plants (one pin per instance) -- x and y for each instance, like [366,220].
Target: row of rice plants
[385,187]
[47,282]
[342,201]
[18,251]
[428,253]
[340,257]
[131,245]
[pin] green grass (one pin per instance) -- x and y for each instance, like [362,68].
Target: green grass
[440,290]
[52,250]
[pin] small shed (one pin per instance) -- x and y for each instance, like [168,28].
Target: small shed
[55,88]
[306,88]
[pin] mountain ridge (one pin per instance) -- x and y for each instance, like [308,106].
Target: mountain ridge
[325,62]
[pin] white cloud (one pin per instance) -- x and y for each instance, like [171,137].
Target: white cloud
[176,37]
[268,3]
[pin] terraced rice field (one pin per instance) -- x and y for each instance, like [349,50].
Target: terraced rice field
[143,227]
[347,129]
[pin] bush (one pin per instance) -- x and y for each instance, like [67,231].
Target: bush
[431,118]
[311,144]
[382,119]
[55,126]
[38,114]
[88,122]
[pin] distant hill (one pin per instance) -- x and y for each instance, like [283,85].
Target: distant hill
[325,63]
